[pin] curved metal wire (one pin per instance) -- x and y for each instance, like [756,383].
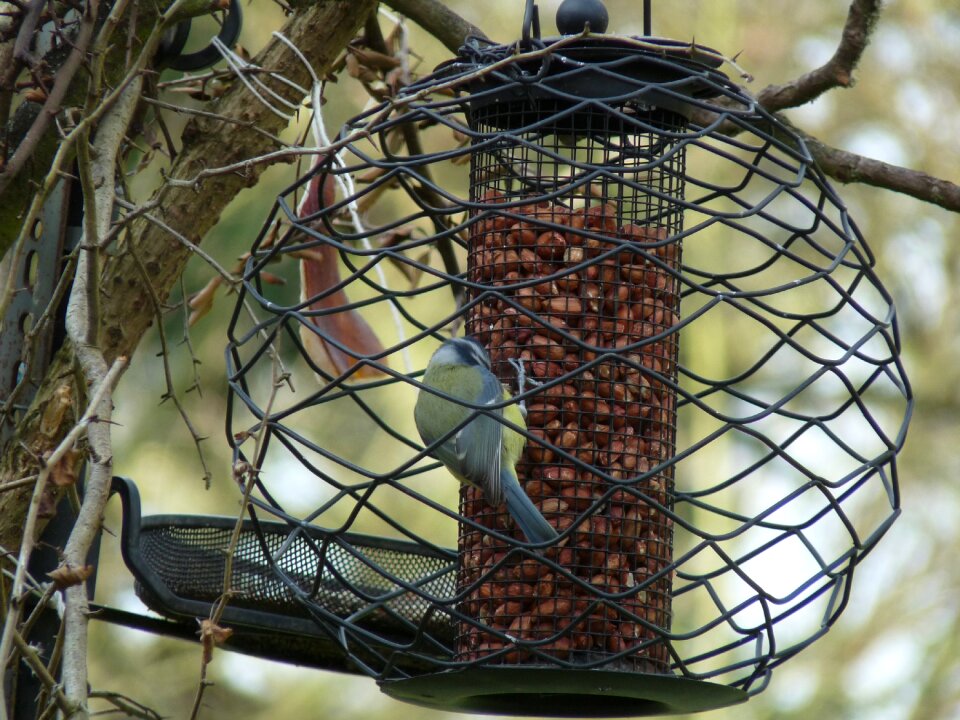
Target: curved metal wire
[763,361]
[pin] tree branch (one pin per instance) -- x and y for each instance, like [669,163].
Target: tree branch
[31,525]
[320,31]
[54,100]
[848,167]
[837,71]
[841,165]
[32,659]
[438,20]
[82,322]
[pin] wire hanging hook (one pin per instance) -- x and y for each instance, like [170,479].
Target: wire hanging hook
[531,19]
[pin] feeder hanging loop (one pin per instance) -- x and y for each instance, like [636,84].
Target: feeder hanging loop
[531,20]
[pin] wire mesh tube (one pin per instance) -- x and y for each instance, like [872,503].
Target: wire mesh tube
[583,292]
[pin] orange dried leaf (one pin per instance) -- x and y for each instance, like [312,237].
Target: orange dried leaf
[67,576]
[64,473]
[37,95]
[373,59]
[271,279]
[211,636]
[358,70]
[201,302]
[319,272]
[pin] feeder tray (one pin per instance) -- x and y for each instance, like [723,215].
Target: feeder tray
[179,563]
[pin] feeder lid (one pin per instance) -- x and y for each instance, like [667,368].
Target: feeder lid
[612,69]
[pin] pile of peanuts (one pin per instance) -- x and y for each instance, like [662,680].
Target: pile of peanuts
[563,287]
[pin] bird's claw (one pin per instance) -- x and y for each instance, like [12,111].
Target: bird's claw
[522,381]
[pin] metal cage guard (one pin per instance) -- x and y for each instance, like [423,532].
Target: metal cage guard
[697,420]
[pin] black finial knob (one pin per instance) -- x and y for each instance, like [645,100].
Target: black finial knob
[573,15]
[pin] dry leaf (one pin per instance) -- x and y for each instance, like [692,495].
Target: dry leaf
[64,473]
[66,576]
[358,70]
[373,59]
[320,271]
[271,279]
[55,409]
[211,636]
[201,302]
[37,95]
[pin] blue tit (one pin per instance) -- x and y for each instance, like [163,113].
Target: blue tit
[484,452]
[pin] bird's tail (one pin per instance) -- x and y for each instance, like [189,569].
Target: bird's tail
[524,512]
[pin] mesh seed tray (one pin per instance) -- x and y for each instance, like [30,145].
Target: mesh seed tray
[283,606]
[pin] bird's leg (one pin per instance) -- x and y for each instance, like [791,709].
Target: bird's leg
[522,381]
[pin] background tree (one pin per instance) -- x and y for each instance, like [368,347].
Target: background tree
[195,172]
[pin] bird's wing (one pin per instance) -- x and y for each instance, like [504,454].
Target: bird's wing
[479,444]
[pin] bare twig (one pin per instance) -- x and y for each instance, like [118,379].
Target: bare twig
[841,165]
[130,707]
[215,116]
[21,48]
[21,482]
[194,360]
[171,393]
[837,71]
[54,99]
[29,536]
[228,277]
[40,670]
[437,19]
[244,166]
[249,475]
[82,129]
[83,326]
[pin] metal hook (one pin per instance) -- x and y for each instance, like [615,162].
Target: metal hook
[173,44]
[531,18]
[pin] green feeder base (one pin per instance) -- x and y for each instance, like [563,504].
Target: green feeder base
[555,692]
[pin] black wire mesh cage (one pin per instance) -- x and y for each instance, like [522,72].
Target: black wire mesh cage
[714,396]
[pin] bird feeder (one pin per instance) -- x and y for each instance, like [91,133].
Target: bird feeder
[709,367]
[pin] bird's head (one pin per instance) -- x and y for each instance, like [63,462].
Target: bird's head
[461,351]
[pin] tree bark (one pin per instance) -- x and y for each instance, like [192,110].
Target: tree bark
[320,31]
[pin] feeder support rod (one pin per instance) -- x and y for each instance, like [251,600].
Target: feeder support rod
[647,19]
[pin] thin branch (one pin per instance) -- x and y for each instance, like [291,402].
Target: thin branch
[52,104]
[40,670]
[250,474]
[21,48]
[244,166]
[841,165]
[848,167]
[228,277]
[438,20]
[171,393]
[29,536]
[83,328]
[215,116]
[837,71]
[127,705]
